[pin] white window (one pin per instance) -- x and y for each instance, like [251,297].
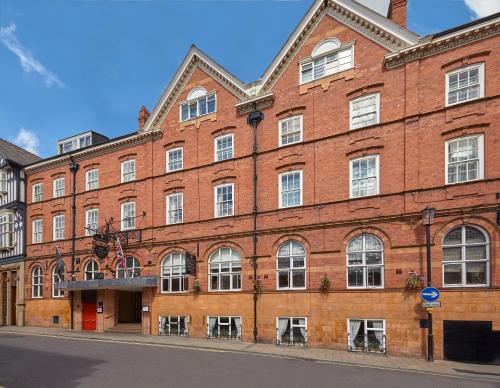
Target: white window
[198,107]
[335,62]
[464,159]
[132,270]
[37,236]
[290,130]
[290,189]
[466,258]
[224,327]
[6,230]
[224,147]
[92,179]
[174,208]
[37,282]
[291,331]
[225,270]
[128,171]
[174,325]
[91,269]
[364,176]
[173,273]
[58,225]
[174,160]
[59,187]
[85,141]
[128,215]
[224,200]
[3,182]
[57,279]
[37,190]
[291,266]
[365,111]
[91,221]
[365,262]
[465,84]
[366,335]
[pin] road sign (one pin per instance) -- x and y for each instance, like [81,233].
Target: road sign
[430,294]
[431,304]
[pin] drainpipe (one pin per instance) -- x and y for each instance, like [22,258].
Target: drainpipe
[254,118]
[73,167]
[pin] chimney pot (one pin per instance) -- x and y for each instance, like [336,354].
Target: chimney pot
[143,116]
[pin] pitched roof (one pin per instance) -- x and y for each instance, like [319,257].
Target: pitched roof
[16,154]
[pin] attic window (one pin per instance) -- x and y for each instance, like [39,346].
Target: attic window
[198,103]
[329,57]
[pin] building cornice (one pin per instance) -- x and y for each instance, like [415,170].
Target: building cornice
[444,43]
[259,102]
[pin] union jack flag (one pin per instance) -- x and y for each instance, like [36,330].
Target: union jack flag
[120,257]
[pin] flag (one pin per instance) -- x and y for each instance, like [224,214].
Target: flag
[59,264]
[120,257]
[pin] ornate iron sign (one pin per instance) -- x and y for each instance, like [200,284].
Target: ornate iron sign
[190,264]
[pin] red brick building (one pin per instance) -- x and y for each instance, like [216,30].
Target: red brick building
[364,125]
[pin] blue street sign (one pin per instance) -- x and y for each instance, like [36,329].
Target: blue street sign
[430,294]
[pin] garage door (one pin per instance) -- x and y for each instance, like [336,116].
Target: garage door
[471,341]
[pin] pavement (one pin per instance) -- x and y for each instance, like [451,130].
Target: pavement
[485,373]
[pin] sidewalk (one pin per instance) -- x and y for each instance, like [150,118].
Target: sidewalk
[448,368]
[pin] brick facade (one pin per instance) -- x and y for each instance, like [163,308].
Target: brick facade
[414,125]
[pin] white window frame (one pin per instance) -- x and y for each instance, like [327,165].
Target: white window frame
[169,323]
[37,231]
[480,153]
[37,196]
[365,333]
[365,97]
[481,82]
[219,324]
[90,270]
[216,213]
[377,173]
[58,187]
[131,271]
[37,282]
[229,273]
[216,148]
[7,229]
[464,262]
[88,212]
[130,175]
[182,275]
[181,161]
[287,120]
[55,229]
[280,189]
[125,219]
[169,210]
[55,276]
[94,183]
[197,101]
[364,266]
[279,337]
[291,269]
[345,47]
[3,182]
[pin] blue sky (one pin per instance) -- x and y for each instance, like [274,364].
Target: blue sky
[67,66]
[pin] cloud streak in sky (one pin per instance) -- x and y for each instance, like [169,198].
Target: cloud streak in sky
[28,140]
[26,58]
[482,8]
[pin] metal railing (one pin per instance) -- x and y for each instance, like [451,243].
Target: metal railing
[290,340]
[224,334]
[366,343]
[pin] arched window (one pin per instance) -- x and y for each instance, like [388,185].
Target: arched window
[225,270]
[466,257]
[91,268]
[365,262]
[133,268]
[37,282]
[326,46]
[173,273]
[197,92]
[57,279]
[291,265]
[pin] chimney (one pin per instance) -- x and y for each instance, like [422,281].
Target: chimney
[143,116]
[397,12]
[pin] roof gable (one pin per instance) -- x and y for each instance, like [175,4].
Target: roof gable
[15,154]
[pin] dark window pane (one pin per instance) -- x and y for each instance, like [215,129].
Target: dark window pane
[299,278]
[283,279]
[476,273]
[355,277]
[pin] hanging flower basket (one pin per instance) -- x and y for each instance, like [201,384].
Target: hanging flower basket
[413,281]
[326,282]
[196,286]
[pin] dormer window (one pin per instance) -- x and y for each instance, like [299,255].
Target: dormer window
[328,57]
[198,103]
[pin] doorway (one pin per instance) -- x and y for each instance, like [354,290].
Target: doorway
[89,307]
[129,307]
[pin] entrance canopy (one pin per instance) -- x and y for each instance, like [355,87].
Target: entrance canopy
[125,284]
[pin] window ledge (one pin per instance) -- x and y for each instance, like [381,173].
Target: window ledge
[326,80]
[198,120]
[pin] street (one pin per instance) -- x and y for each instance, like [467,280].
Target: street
[35,361]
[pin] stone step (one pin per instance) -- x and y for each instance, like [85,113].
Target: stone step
[130,328]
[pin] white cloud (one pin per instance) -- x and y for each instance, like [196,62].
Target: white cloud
[482,8]
[26,59]
[28,140]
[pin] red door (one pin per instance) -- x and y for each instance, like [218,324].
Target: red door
[89,307]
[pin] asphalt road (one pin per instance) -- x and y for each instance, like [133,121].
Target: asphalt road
[31,361]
